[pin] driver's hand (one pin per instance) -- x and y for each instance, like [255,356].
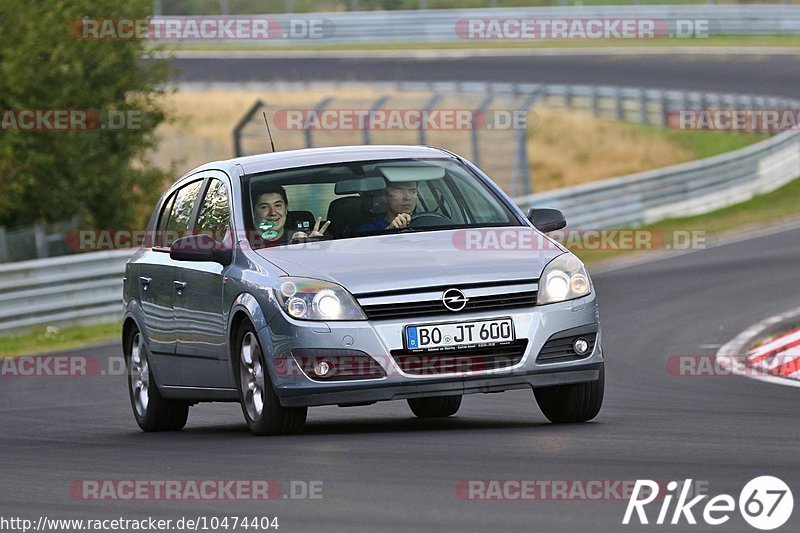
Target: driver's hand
[400,221]
[317,231]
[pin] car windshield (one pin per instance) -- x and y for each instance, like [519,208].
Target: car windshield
[367,198]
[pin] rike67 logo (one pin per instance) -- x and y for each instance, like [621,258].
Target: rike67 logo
[765,503]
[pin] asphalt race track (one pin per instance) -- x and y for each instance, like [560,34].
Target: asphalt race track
[382,469]
[768,75]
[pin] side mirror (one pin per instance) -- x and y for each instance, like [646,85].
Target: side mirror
[201,248]
[547,220]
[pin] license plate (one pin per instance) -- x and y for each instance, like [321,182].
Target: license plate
[459,334]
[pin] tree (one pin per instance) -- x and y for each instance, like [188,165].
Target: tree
[101,175]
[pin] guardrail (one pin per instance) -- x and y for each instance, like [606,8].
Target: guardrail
[71,289]
[681,190]
[440,25]
[87,287]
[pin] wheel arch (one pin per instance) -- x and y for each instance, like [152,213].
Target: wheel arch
[244,308]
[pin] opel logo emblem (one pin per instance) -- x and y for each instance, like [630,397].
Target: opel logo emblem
[454,299]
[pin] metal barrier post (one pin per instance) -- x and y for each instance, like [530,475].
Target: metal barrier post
[476,156]
[644,116]
[664,108]
[618,114]
[375,107]
[521,175]
[319,107]
[237,130]
[40,238]
[3,245]
[428,107]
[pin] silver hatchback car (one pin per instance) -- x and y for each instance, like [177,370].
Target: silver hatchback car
[351,275]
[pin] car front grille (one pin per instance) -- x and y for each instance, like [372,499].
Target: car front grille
[558,348]
[450,361]
[436,307]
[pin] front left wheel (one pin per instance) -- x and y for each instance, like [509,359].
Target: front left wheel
[152,411]
[262,410]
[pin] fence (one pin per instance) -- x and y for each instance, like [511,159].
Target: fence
[502,153]
[35,242]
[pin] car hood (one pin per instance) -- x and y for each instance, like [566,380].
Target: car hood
[416,260]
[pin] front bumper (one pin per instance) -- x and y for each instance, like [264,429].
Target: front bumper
[379,338]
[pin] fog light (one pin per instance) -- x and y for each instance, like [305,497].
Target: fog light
[581,346]
[321,368]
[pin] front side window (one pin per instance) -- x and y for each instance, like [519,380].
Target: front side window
[181,213]
[163,219]
[360,199]
[214,217]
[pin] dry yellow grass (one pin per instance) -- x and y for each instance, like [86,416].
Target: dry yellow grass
[568,148]
[564,148]
[203,122]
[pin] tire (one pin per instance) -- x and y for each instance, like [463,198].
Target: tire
[579,402]
[151,410]
[260,405]
[436,407]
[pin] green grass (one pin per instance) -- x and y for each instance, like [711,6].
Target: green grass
[710,143]
[40,340]
[774,207]
[716,40]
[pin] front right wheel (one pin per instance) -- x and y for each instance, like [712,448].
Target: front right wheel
[262,410]
[579,402]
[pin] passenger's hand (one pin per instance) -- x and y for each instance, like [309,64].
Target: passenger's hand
[317,231]
[400,221]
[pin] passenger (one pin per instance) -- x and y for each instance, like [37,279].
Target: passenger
[270,207]
[401,200]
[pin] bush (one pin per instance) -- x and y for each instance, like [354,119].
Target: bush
[101,175]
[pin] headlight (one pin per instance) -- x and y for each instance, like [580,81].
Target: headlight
[564,278]
[313,299]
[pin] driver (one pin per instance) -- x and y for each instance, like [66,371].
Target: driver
[401,200]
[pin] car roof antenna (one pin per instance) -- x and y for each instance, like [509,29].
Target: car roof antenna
[271,142]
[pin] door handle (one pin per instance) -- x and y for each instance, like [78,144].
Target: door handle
[179,285]
[145,282]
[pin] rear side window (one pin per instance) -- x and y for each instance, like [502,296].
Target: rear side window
[214,215]
[181,213]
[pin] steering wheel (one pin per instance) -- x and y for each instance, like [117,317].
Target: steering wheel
[428,218]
